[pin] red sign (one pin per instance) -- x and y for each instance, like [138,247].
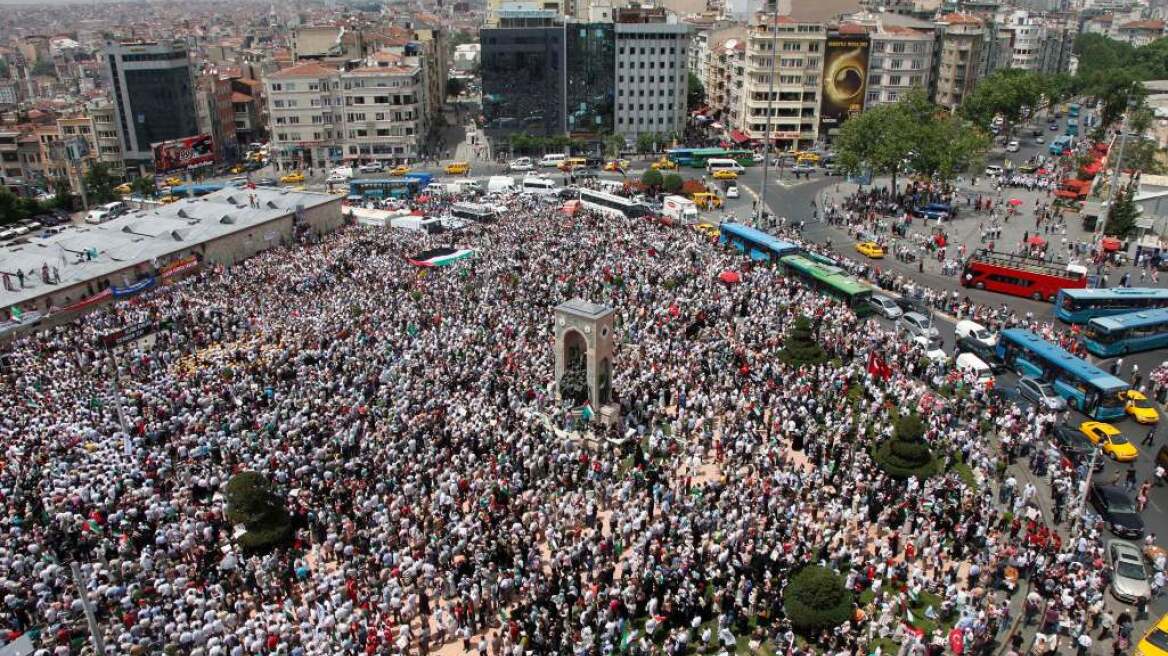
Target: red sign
[179,266]
[183,153]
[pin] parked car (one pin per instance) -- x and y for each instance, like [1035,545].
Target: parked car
[5,235]
[885,306]
[986,353]
[918,325]
[1039,139]
[1041,394]
[371,167]
[1129,576]
[1117,510]
[1076,446]
[1012,147]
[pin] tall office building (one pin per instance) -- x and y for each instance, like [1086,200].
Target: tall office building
[152,85]
[523,72]
[651,75]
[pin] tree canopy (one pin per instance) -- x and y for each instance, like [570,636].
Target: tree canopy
[911,133]
[696,93]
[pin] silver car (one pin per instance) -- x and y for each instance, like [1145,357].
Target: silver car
[918,325]
[1041,394]
[1130,576]
[885,306]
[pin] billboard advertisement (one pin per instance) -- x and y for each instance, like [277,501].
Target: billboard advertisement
[183,153]
[845,80]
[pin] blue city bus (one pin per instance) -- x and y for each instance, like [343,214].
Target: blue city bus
[385,188]
[424,179]
[1060,144]
[758,244]
[196,189]
[1083,305]
[1073,127]
[1073,110]
[1116,335]
[1087,388]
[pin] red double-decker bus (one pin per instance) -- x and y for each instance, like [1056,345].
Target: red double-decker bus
[1016,275]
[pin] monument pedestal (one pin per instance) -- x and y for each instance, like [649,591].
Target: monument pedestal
[610,414]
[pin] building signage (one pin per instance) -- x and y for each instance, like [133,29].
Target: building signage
[184,153]
[845,79]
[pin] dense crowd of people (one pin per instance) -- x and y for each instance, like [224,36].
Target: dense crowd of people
[408,418]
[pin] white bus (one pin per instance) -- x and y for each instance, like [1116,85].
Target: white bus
[539,185]
[552,160]
[715,164]
[472,212]
[611,203]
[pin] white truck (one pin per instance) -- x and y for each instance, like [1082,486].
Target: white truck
[682,210]
[500,183]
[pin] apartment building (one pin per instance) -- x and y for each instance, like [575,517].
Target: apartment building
[153,90]
[306,117]
[725,82]
[652,80]
[900,57]
[793,48]
[11,174]
[105,129]
[216,116]
[958,58]
[384,113]
[1025,35]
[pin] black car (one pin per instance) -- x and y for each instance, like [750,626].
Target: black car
[983,351]
[1117,510]
[1076,446]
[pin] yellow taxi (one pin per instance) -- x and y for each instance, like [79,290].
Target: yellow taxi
[663,164]
[1108,438]
[807,158]
[168,199]
[399,170]
[1155,641]
[295,177]
[457,168]
[173,181]
[871,249]
[1138,407]
[707,201]
[237,169]
[617,165]
[708,230]
[123,188]
[725,174]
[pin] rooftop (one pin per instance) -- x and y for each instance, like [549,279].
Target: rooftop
[143,236]
[309,69]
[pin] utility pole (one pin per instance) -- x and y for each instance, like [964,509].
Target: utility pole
[768,141]
[1081,503]
[90,618]
[1118,162]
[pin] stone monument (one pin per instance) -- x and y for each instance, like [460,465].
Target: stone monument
[584,342]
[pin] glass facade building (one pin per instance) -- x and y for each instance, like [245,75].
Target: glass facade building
[523,80]
[591,78]
[153,90]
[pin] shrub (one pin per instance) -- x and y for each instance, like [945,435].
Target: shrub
[252,502]
[673,183]
[800,347]
[906,454]
[816,599]
[652,178]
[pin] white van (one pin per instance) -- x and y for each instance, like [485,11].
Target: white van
[539,185]
[976,331]
[552,160]
[716,164]
[431,225]
[99,215]
[970,363]
[500,183]
[521,164]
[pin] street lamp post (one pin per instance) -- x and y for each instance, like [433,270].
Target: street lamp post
[768,140]
[1118,162]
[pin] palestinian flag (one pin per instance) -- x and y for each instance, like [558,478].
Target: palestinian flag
[438,257]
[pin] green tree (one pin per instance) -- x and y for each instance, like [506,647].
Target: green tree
[816,599]
[1143,155]
[11,209]
[800,347]
[672,183]
[652,178]
[252,503]
[144,186]
[1004,93]
[906,453]
[454,87]
[613,145]
[64,196]
[1122,215]
[877,140]
[696,92]
[645,142]
[949,145]
[99,184]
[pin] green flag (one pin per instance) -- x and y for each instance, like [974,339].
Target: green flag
[17,313]
[412,330]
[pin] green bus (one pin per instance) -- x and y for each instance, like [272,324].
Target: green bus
[697,157]
[831,280]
